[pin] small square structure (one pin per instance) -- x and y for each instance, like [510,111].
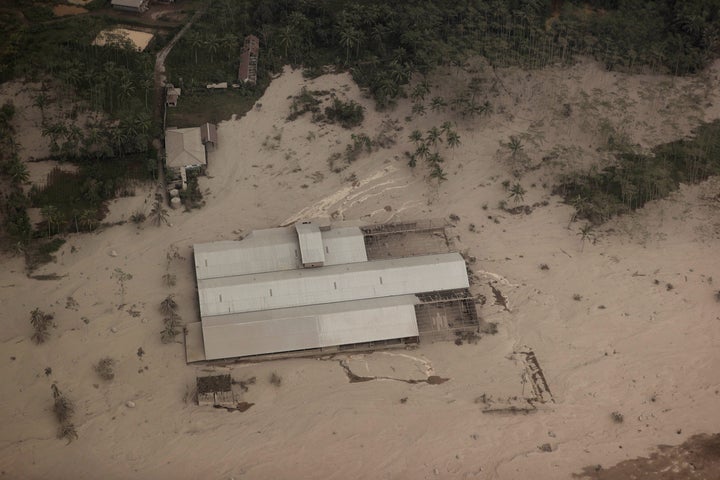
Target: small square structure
[215,390]
[171,95]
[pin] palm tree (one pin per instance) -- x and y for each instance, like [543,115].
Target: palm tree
[158,213]
[88,219]
[126,88]
[585,233]
[212,44]
[437,103]
[229,43]
[41,101]
[434,137]
[447,127]
[17,171]
[287,38]
[416,136]
[52,217]
[515,145]
[420,90]
[434,159]
[453,140]
[349,38]
[422,151]
[196,42]
[517,193]
[437,172]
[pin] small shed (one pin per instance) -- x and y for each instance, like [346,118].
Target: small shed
[171,95]
[208,135]
[215,390]
[137,6]
[247,72]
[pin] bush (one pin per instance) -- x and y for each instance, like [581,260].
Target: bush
[275,379]
[617,417]
[348,114]
[138,217]
[105,368]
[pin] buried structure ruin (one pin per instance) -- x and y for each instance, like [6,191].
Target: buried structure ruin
[313,289]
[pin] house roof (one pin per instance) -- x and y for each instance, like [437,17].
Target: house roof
[184,147]
[329,284]
[308,327]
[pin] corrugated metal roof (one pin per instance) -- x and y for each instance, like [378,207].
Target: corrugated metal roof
[312,252]
[307,327]
[184,147]
[272,250]
[338,283]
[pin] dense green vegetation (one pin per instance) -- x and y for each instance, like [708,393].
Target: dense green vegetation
[383,45]
[637,178]
[111,150]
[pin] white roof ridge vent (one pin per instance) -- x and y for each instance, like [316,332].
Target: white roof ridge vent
[312,251]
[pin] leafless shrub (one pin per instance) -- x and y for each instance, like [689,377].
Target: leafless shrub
[488,328]
[41,322]
[169,279]
[275,379]
[63,409]
[168,306]
[172,327]
[67,431]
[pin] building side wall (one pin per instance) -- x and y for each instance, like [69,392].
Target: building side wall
[309,331]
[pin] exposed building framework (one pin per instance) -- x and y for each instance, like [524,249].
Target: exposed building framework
[247,71]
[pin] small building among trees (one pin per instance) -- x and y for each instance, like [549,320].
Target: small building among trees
[171,95]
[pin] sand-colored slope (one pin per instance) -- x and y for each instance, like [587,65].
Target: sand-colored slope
[650,353]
